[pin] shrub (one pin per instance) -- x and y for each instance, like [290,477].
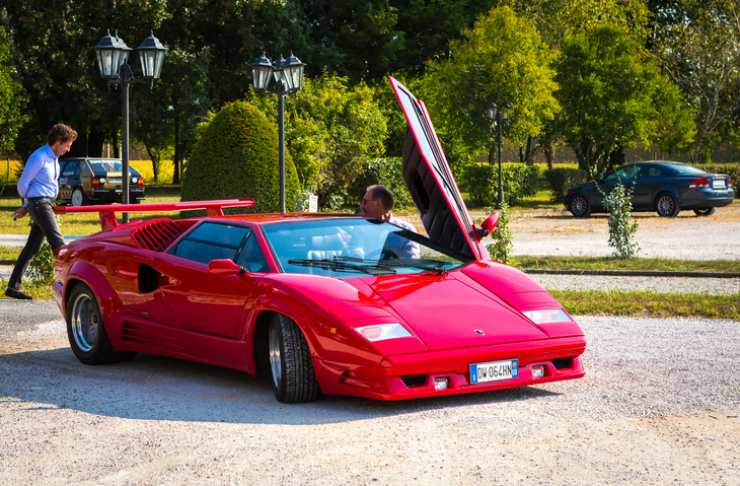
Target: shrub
[41,268]
[387,171]
[622,228]
[561,180]
[500,249]
[480,181]
[236,155]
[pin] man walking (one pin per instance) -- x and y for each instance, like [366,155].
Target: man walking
[38,186]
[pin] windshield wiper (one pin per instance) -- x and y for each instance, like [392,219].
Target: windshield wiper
[428,265]
[340,265]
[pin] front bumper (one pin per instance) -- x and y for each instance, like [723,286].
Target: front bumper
[560,358]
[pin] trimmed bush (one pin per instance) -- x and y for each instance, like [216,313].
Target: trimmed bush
[480,181]
[386,171]
[236,155]
[561,180]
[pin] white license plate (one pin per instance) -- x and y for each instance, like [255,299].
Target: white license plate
[718,184]
[494,371]
[114,181]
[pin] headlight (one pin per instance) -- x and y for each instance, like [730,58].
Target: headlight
[381,332]
[102,180]
[547,316]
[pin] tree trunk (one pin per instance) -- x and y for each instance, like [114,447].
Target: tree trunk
[178,151]
[549,151]
[155,162]
[528,151]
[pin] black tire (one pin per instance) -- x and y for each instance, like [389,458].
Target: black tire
[86,330]
[579,206]
[704,211]
[77,198]
[666,205]
[293,378]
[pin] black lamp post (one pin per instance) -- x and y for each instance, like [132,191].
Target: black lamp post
[497,116]
[112,53]
[283,78]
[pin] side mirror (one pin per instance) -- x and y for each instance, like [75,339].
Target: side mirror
[486,227]
[223,266]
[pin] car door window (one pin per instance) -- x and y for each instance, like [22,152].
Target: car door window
[210,241]
[628,173]
[652,172]
[71,169]
[251,257]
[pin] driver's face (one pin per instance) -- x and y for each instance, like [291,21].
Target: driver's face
[371,208]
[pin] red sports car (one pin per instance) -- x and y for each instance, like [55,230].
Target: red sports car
[330,304]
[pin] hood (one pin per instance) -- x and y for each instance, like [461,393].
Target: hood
[430,181]
[446,313]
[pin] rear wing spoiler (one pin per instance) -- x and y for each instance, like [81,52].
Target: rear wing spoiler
[108,212]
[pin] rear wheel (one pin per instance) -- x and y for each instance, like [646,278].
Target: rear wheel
[78,197]
[704,211]
[293,378]
[666,206]
[579,206]
[86,331]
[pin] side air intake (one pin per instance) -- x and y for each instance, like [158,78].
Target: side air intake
[157,234]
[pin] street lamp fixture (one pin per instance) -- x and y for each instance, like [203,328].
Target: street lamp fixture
[112,54]
[497,116]
[282,77]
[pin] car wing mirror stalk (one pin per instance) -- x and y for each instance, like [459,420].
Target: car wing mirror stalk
[486,227]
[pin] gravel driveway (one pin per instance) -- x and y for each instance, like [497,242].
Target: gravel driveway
[660,405]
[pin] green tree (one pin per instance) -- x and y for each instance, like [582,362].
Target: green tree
[331,129]
[12,99]
[608,91]
[236,155]
[500,62]
[697,42]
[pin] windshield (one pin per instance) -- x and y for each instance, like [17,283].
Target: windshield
[686,170]
[351,247]
[105,166]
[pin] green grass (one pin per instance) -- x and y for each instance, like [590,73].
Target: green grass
[71,224]
[37,291]
[606,263]
[646,303]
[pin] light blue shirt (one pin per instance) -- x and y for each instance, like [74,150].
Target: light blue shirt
[40,175]
[402,247]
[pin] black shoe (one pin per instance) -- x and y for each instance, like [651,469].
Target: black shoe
[17,294]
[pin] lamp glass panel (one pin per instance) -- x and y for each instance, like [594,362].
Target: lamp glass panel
[158,63]
[105,58]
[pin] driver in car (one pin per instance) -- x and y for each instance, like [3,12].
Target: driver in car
[377,203]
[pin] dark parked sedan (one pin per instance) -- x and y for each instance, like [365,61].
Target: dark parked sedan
[664,187]
[86,180]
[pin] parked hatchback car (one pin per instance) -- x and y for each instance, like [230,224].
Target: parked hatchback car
[90,180]
[661,186]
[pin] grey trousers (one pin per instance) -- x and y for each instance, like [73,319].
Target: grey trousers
[43,224]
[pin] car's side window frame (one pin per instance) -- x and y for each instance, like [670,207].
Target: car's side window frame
[250,237]
[172,250]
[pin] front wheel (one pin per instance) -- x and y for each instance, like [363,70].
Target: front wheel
[579,206]
[666,206]
[704,211]
[86,331]
[293,378]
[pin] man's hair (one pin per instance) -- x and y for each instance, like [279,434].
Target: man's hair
[61,133]
[383,194]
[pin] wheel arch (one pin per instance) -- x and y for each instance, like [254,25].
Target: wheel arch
[83,272]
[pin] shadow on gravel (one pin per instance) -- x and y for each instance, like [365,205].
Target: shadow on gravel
[155,388]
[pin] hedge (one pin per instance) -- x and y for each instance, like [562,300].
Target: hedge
[480,181]
[236,156]
[561,180]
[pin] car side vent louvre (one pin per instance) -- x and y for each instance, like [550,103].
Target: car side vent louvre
[157,234]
